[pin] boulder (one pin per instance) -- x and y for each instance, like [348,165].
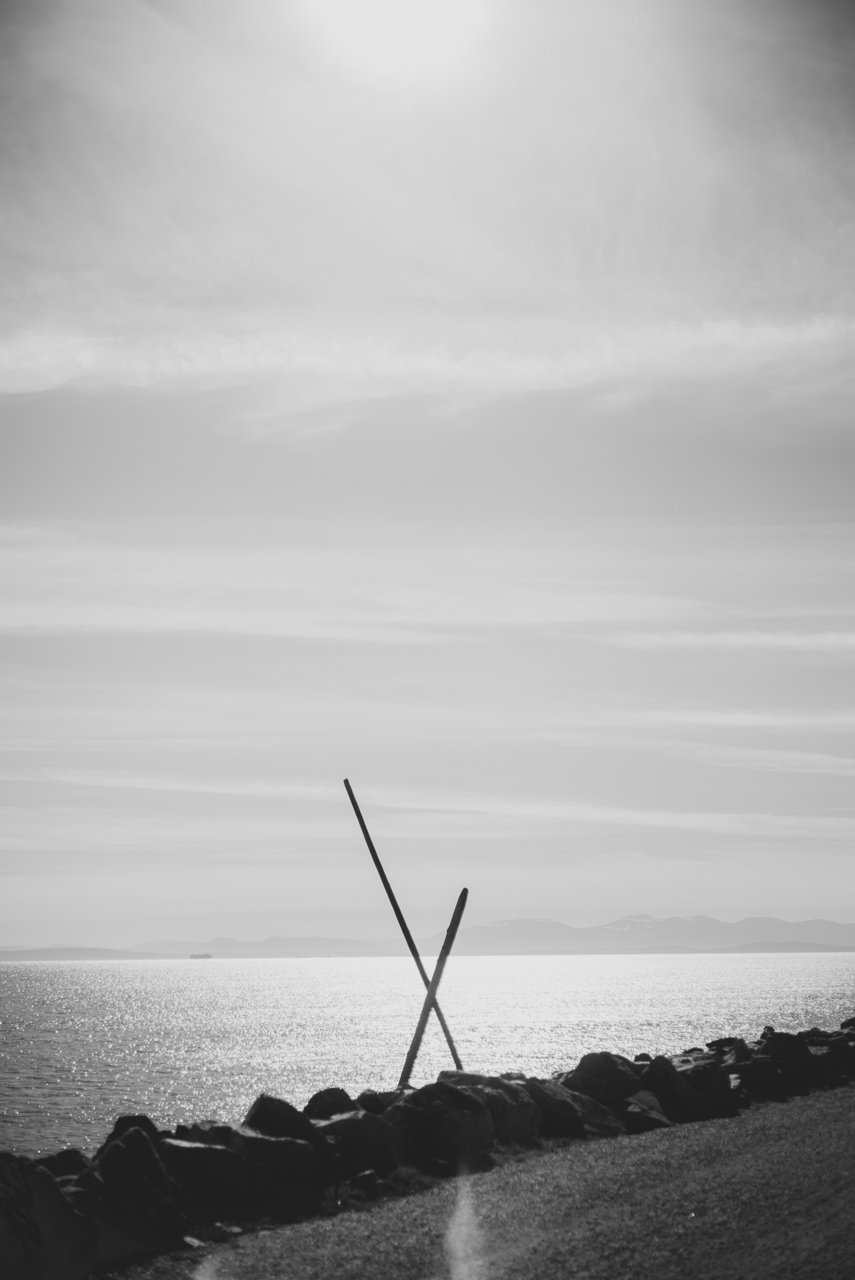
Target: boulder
[276,1118]
[135,1205]
[462,1077]
[761,1078]
[379,1100]
[564,1114]
[218,1183]
[847,1023]
[516,1118]
[844,1046]
[793,1057]
[680,1102]
[123,1124]
[329,1102]
[65,1164]
[827,1069]
[730,1050]
[43,1234]
[442,1125]
[723,1044]
[605,1077]
[292,1163]
[641,1113]
[364,1141]
[20,1238]
[711,1081]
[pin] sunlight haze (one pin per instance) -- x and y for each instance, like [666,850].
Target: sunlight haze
[453,397]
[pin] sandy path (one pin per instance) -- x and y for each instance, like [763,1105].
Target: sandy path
[770,1194]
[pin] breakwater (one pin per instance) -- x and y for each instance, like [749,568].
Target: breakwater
[147,1189]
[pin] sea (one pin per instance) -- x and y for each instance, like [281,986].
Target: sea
[82,1042]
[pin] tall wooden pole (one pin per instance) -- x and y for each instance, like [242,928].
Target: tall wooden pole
[399,916]
[430,998]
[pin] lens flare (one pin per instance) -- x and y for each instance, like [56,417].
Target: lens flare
[464,1242]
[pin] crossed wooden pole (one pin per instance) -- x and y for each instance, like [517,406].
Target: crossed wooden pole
[432,983]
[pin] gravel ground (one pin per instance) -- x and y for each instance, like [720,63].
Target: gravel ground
[769,1194]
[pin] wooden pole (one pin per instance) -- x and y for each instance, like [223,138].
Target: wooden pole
[399,916]
[430,998]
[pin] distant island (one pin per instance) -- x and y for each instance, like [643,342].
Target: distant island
[638,934]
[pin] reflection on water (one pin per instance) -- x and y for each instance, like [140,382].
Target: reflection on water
[82,1042]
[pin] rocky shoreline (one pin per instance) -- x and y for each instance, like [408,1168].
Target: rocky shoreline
[147,1190]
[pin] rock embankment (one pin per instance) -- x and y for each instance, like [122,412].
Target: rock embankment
[146,1189]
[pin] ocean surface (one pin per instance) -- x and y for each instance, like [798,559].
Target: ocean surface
[83,1042]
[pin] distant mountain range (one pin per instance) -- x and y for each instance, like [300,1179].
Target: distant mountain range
[631,934]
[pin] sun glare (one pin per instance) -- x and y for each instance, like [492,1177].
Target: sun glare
[398,42]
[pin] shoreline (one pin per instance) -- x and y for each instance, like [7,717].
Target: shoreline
[768,1196]
[60,955]
[147,1190]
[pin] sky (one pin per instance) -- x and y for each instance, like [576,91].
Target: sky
[451,395]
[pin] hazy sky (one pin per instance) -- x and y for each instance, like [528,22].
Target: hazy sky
[454,395]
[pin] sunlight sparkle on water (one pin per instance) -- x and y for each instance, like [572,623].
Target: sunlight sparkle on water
[183,1040]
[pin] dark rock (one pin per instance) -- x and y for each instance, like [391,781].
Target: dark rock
[761,1078]
[364,1141]
[43,1234]
[597,1120]
[564,1114]
[379,1100]
[792,1056]
[123,1124]
[723,1044]
[366,1182]
[293,1164]
[736,1054]
[827,1069]
[65,1164]
[278,1119]
[729,1050]
[642,1057]
[679,1101]
[711,1082]
[786,1047]
[640,1113]
[218,1183]
[135,1205]
[605,1077]
[516,1118]
[515,1077]
[329,1102]
[443,1125]
[847,1023]
[844,1047]
[20,1238]
[462,1077]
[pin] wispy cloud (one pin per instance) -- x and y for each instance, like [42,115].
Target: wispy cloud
[819,642]
[764,759]
[733,718]
[761,825]
[484,813]
[118,780]
[331,365]
[372,593]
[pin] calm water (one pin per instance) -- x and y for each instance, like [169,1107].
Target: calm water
[82,1042]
